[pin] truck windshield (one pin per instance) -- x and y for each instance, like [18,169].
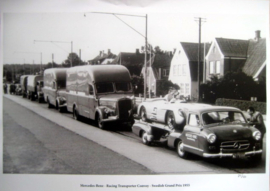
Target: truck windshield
[223,117]
[104,87]
[123,87]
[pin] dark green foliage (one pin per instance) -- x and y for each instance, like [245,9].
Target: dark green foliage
[234,85]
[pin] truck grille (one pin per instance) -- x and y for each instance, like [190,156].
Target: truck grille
[124,106]
[235,145]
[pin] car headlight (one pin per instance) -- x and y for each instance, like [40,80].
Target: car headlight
[211,138]
[257,135]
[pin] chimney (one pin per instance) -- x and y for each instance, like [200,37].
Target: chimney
[100,53]
[109,51]
[257,35]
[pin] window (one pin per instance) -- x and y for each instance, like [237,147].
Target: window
[178,70]
[184,69]
[214,49]
[123,87]
[91,90]
[174,70]
[187,88]
[211,65]
[104,87]
[193,120]
[165,72]
[182,88]
[217,67]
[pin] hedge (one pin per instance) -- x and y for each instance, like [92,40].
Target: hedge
[243,105]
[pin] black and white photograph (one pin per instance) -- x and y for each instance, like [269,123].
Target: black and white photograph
[136,95]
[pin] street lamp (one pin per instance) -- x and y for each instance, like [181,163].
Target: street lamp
[145,37]
[59,42]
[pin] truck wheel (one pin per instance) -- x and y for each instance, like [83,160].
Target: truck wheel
[76,115]
[99,122]
[32,97]
[143,114]
[39,99]
[170,120]
[256,159]
[180,149]
[144,138]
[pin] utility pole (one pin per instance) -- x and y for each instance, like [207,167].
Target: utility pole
[199,55]
[52,60]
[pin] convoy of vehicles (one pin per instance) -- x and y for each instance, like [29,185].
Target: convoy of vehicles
[208,131]
[104,93]
[32,88]
[100,92]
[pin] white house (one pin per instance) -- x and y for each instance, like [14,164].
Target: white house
[184,67]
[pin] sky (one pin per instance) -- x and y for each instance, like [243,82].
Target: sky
[38,36]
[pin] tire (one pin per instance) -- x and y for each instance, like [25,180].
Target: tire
[143,114]
[144,138]
[76,115]
[170,120]
[180,149]
[99,122]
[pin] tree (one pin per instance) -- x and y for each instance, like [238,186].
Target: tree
[76,61]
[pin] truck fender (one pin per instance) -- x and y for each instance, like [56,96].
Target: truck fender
[99,111]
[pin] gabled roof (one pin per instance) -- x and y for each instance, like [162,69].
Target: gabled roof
[191,50]
[102,56]
[160,61]
[256,56]
[233,47]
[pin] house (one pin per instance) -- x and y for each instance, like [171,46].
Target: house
[255,65]
[103,58]
[184,67]
[233,54]
[158,69]
[134,61]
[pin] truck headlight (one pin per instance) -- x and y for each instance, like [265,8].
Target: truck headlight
[257,135]
[211,138]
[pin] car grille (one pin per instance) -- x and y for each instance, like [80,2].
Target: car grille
[234,145]
[124,106]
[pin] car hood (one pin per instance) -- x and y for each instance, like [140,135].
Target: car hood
[231,131]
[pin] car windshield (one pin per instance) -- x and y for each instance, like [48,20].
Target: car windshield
[222,117]
[123,87]
[104,87]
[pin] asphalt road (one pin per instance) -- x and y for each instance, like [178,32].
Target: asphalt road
[43,141]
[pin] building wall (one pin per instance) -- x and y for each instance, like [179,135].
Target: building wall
[213,59]
[180,71]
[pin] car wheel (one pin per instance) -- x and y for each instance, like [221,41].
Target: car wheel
[49,104]
[99,122]
[143,114]
[180,150]
[170,120]
[144,138]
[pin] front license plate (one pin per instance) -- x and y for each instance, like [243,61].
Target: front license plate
[238,155]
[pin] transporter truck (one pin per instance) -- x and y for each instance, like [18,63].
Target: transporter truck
[54,81]
[32,88]
[102,93]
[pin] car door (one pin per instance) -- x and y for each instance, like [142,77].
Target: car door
[191,132]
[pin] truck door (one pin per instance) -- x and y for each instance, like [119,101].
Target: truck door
[92,102]
[191,133]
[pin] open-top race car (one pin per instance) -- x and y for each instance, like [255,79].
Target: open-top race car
[206,130]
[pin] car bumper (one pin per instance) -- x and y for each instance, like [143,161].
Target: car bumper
[232,155]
